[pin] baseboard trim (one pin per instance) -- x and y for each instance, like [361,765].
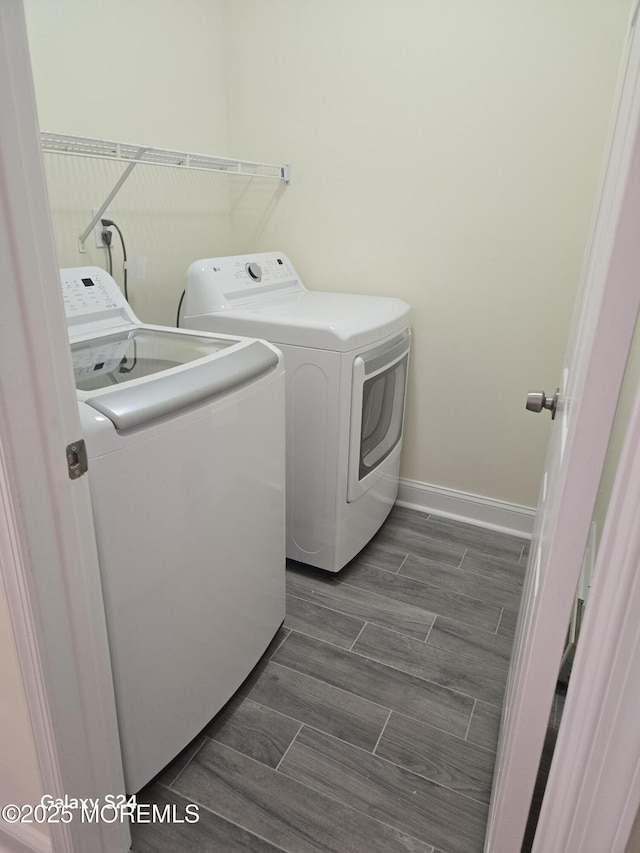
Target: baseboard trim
[21,838]
[462,506]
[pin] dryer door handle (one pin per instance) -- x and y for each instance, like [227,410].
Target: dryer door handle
[382,357]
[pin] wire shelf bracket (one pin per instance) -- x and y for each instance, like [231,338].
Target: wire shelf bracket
[133,155]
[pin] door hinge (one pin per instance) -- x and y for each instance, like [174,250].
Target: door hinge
[77,461]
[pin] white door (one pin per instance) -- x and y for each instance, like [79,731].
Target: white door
[49,566]
[603,326]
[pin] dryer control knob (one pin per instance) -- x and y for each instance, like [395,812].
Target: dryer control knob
[254,271]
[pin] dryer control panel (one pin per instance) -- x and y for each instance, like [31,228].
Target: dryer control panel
[218,284]
[93,301]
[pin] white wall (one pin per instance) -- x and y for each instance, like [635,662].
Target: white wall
[444,152]
[136,70]
[145,72]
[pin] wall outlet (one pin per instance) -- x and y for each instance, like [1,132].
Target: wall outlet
[98,229]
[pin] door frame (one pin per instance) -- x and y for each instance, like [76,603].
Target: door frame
[598,349]
[593,791]
[49,567]
[592,797]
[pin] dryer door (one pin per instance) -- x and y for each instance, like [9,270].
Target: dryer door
[377,414]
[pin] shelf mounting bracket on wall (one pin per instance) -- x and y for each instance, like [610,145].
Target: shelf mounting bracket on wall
[105,204]
[133,155]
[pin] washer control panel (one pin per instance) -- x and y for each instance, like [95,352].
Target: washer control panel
[95,358]
[254,270]
[93,300]
[216,284]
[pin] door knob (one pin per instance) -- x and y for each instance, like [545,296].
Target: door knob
[538,400]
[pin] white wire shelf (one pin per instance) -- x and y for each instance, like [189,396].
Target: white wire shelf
[126,152]
[131,155]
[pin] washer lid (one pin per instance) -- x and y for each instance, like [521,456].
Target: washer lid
[317,319]
[136,375]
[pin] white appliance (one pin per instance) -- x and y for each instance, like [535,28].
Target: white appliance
[346,359]
[185,442]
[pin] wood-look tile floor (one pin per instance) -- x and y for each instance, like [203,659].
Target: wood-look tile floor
[371,723]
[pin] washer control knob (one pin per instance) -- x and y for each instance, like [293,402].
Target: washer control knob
[254,271]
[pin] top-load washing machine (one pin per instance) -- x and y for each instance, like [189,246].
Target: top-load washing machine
[185,443]
[346,359]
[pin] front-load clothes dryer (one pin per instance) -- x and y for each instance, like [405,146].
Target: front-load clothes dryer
[185,442]
[346,359]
